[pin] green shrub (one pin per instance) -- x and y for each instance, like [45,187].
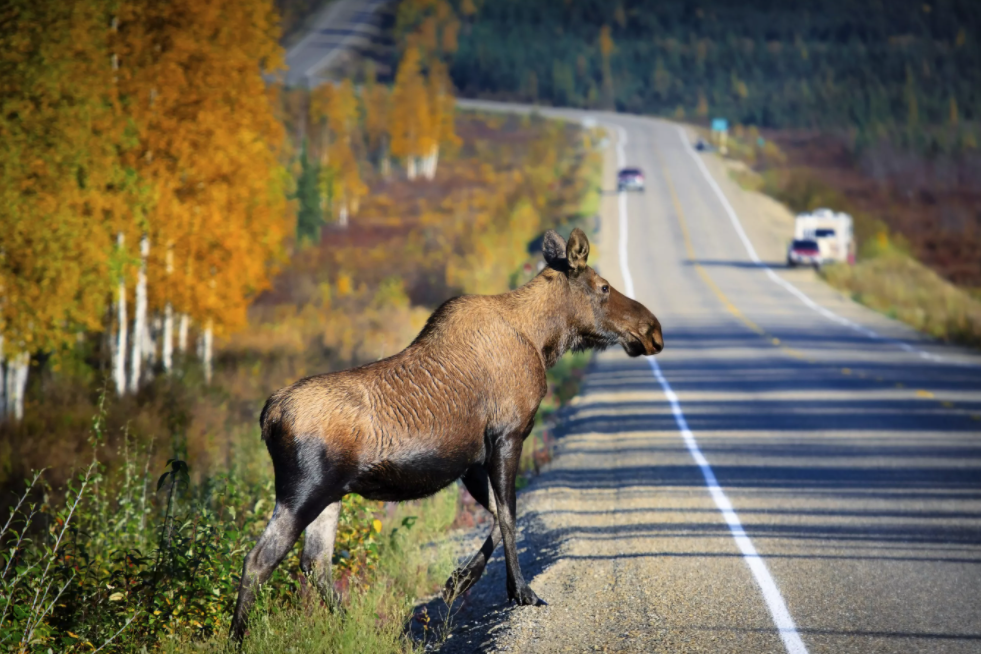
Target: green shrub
[124,562]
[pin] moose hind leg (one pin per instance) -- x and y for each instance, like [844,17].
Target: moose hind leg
[318,549]
[276,541]
[464,577]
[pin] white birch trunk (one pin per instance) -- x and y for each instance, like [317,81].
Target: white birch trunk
[183,325]
[342,215]
[410,167]
[17,373]
[433,162]
[119,351]
[167,349]
[139,319]
[207,339]
[3,384]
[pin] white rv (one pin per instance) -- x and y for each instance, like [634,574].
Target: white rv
[831,230]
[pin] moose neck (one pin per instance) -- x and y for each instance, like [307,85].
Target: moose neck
[540,311]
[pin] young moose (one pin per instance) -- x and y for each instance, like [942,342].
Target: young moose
[457,403]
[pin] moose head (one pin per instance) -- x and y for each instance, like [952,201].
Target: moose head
[601,316]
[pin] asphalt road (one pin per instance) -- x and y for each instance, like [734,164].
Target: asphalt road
[343,25]
[837,507]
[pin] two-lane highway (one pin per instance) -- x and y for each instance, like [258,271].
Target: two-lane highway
[793,473]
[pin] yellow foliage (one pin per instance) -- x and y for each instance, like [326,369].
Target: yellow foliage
[59,177]
[344,284]
[209,146]
[409,120]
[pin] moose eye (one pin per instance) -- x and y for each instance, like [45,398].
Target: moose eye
[606,288]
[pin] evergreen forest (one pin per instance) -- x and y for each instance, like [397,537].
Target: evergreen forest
[904,71]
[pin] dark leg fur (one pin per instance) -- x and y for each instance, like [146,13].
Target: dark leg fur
[276,541]
[503,472]
[463,578]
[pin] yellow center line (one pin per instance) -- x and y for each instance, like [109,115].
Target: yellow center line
[727,303]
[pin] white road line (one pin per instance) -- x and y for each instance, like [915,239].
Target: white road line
[811,304]
[628,281]
[774,601]
[771,594]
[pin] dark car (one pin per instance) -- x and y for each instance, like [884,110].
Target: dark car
[804,253]
[630,179]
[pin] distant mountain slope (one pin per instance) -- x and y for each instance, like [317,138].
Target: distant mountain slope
[904,69]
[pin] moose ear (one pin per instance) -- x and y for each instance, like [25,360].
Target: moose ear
[553,247]
[577,251]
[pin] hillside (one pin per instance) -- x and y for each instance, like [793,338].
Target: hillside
[820,63]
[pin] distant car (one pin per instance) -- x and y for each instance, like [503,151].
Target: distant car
[804,253]
[630,179]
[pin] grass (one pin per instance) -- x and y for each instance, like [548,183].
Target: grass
[894,283]
[126,561]
[416,561]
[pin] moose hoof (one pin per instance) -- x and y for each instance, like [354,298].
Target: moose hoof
[527,597]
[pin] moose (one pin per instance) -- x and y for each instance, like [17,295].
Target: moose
[457,403]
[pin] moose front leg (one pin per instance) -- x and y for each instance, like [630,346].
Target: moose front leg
[478,484]
[503,472]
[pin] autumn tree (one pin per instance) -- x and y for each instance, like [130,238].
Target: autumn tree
[57,166]
[340,181]
[441,126]
[209,145]
[410,116]
[375,107]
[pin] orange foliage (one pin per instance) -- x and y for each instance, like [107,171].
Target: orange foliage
[58,174]
[209,146]
[144,117]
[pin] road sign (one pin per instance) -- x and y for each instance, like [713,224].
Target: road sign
[719,124]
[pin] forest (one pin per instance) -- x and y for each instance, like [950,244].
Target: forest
[879,68]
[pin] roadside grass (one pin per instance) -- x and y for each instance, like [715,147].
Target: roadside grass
[894,283]
[415,561]
[125,560]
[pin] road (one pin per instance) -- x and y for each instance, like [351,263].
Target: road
[793,473]
[343,25]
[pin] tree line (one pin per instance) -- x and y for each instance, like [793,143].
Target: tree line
[149,186]
[907,71]
[143,182]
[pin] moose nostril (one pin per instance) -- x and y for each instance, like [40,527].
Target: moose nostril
[658,339]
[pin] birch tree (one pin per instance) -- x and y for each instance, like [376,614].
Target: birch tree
[410,115]
[122,323]
[57,160]
[139,319]
[340,180]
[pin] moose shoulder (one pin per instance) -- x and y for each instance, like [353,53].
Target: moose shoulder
[457,403]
